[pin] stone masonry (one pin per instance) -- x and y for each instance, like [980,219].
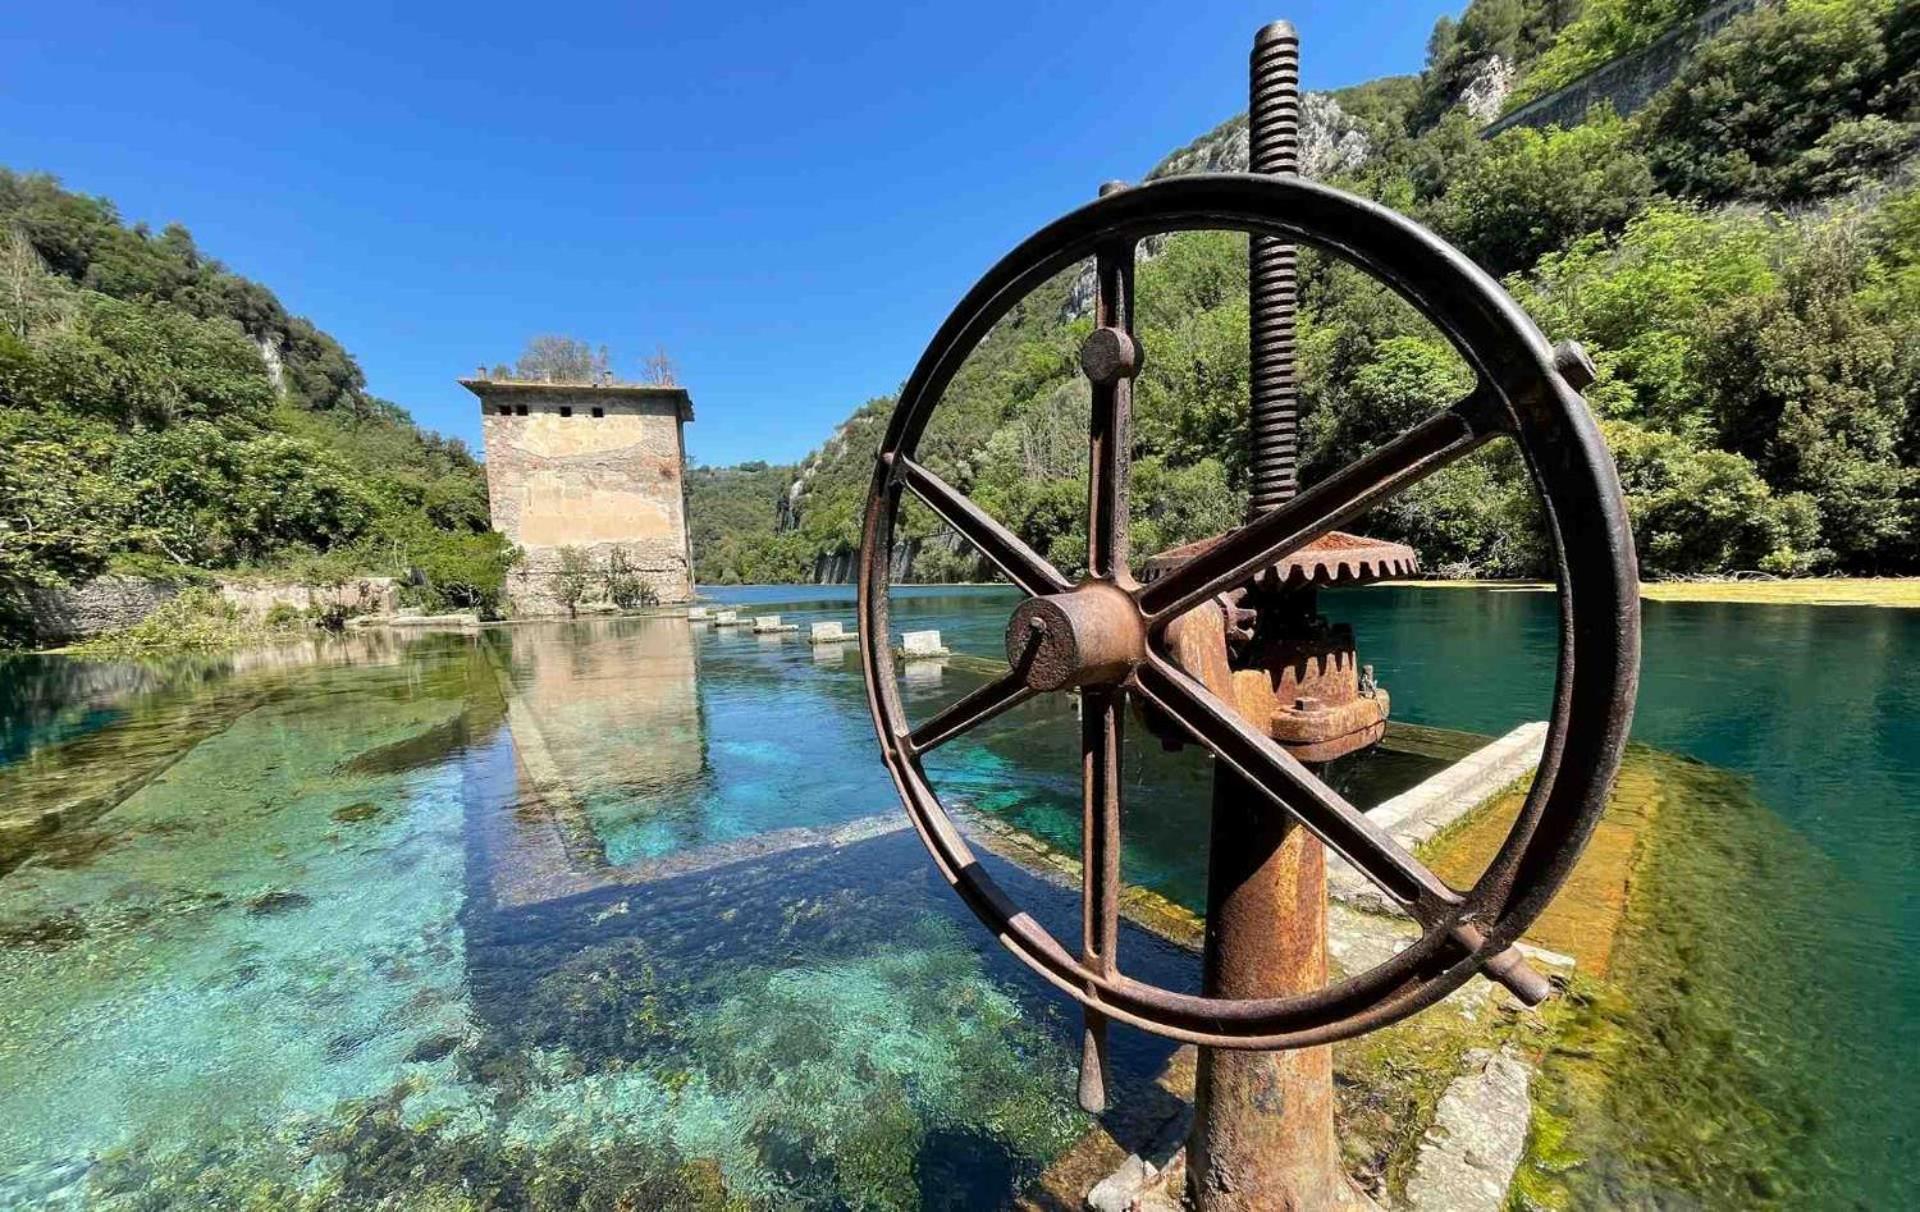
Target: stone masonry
[600,467]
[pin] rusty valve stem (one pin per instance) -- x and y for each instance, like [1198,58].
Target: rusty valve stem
[1273,143]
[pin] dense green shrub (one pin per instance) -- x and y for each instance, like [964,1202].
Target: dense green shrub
[1534,192]
[1794,100]
[1702,510]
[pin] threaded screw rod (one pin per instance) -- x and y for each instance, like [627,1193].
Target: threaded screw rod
[1273,140]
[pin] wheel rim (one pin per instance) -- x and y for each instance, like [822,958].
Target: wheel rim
[1518,395]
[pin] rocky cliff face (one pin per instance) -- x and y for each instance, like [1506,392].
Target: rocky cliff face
[1487,89]
[1331,142]
[271,359]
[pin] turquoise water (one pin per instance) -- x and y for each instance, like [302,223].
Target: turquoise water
[549,916]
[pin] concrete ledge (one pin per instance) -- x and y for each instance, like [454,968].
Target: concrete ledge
[1417,814]
[1479,1132]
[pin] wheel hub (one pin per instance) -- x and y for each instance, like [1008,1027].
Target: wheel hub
[1092,635]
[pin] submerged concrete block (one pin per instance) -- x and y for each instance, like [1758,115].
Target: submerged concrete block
[727,618]
[916,645]
[768,624]
[697,614]
[830,632]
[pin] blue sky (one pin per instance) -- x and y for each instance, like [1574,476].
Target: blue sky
[787,197]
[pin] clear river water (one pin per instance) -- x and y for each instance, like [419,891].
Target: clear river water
[560,914]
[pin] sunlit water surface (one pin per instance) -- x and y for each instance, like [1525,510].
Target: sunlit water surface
[551,916]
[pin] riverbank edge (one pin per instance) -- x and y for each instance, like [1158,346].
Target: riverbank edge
[1896,593]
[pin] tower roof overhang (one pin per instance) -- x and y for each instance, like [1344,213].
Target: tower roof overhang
[491,389]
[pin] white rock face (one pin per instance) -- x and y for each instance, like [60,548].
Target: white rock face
[1331,142]
[1487,91]
[270,357]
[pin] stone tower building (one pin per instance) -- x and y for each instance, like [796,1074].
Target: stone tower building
[596,466]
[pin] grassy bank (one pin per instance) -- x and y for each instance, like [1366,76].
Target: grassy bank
[1896,592]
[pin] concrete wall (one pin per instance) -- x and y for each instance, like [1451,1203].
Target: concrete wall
[606,483]
[1630,81]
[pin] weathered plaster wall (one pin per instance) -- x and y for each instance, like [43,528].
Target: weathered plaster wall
[366,595]
[613,482]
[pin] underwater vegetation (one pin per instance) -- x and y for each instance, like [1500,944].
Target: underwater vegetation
[836,1085]
[1701,1073]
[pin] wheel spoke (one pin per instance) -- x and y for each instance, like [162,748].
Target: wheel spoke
[1100,741]
[970,712]
[1401,463]
[1110,361]
[1263,763]
[1023,566]
[1424,896]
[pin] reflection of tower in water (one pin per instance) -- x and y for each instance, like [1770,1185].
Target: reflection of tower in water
[616,701]
[606,723]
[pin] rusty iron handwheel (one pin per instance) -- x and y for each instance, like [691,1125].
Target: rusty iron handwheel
[1106,634]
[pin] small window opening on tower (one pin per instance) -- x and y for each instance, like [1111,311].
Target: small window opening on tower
[566,411]
[519,410]
[505,410]
[599,412]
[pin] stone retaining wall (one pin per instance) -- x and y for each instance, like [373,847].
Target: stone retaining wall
[60,614]
[367,595]
[56,614]
[1626,83]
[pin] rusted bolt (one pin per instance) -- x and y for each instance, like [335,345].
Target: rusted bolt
[1109,355]
[1571,360]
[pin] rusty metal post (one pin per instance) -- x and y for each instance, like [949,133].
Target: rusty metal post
[1262,1133]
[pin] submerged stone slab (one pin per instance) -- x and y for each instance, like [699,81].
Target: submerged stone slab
[727,618]
[830,632]
[463,621]
[770,624]
[1469,1155]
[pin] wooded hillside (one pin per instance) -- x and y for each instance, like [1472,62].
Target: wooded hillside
[162,415]
[1741,258]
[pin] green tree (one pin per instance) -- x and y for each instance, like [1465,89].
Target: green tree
[1603,31]
[62,513]
[1640,304]
[1534,192]
[459,571]
[572,578]
[561,359]
[1696,510]
[624,586]
[1807,383]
